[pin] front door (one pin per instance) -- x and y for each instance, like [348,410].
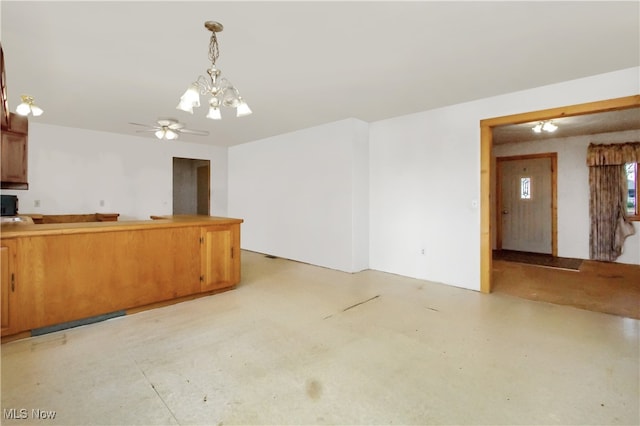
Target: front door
[526,213]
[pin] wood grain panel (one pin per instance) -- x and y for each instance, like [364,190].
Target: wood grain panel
[14,157]
[82,275]
[220,256]
[69,272]
[216,244]
[5,281]
[485,209]
[8,287]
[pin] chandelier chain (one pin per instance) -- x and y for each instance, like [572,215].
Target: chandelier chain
[214,52]
[220,91]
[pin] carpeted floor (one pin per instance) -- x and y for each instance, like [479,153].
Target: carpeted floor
[540,259]
[611,288]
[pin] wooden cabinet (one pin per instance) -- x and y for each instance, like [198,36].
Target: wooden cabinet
[220,256]
[13,153]
[75,271]
[4,103]
[8,287]
[14,157]
[13,170]
[72,218]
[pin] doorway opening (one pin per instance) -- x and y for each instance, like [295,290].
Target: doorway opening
[487,172]
[191,186]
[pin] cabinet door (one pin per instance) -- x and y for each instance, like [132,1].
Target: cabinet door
[8,287]
[14,157]
[220,256]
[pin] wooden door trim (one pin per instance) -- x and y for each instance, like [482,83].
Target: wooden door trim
[207,167]
[486,172]
[553,156]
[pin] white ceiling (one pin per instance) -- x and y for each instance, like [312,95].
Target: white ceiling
[100,65]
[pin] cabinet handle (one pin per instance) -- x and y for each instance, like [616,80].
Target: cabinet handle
[13,282]
[232,252]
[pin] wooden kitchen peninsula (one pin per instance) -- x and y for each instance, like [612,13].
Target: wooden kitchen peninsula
[58,273]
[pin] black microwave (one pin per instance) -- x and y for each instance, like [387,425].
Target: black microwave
[9,205]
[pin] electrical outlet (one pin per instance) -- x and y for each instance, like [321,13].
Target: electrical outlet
[36,203]
[422,252]
[101,203]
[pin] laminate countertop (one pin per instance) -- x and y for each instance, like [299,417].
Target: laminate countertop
[17,230]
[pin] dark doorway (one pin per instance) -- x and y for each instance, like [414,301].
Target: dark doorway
[191,186]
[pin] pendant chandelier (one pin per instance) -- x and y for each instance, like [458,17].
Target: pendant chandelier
[27,106]
[220,91]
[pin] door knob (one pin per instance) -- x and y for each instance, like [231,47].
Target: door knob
[505,211]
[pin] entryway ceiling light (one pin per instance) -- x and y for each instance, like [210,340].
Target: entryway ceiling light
[546,126]
[221,91]
[27,106]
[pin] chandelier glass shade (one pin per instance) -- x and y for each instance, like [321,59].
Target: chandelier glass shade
[220,91]
[27,107]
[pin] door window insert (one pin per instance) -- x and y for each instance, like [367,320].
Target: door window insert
[525,188]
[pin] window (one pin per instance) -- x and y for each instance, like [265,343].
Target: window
[525,188]
[633,210]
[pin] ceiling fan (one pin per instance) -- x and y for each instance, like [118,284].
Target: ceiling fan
[169,128]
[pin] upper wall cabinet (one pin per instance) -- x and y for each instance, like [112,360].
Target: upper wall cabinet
[4,103]
[13,160]
[13,171]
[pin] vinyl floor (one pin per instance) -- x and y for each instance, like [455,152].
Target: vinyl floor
[296,344]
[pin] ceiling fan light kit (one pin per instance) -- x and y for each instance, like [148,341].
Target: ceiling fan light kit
[169,129]
[222,93]
[166,134]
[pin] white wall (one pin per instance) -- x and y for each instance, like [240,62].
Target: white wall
[72,170]
[425,178]
[425,171]
[304,195]
[573,190]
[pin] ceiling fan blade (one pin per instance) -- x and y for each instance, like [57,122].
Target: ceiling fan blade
[143,125]
[194,132]
[147,130]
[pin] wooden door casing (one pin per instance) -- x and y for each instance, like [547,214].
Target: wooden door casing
[203,190]
[487,170]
